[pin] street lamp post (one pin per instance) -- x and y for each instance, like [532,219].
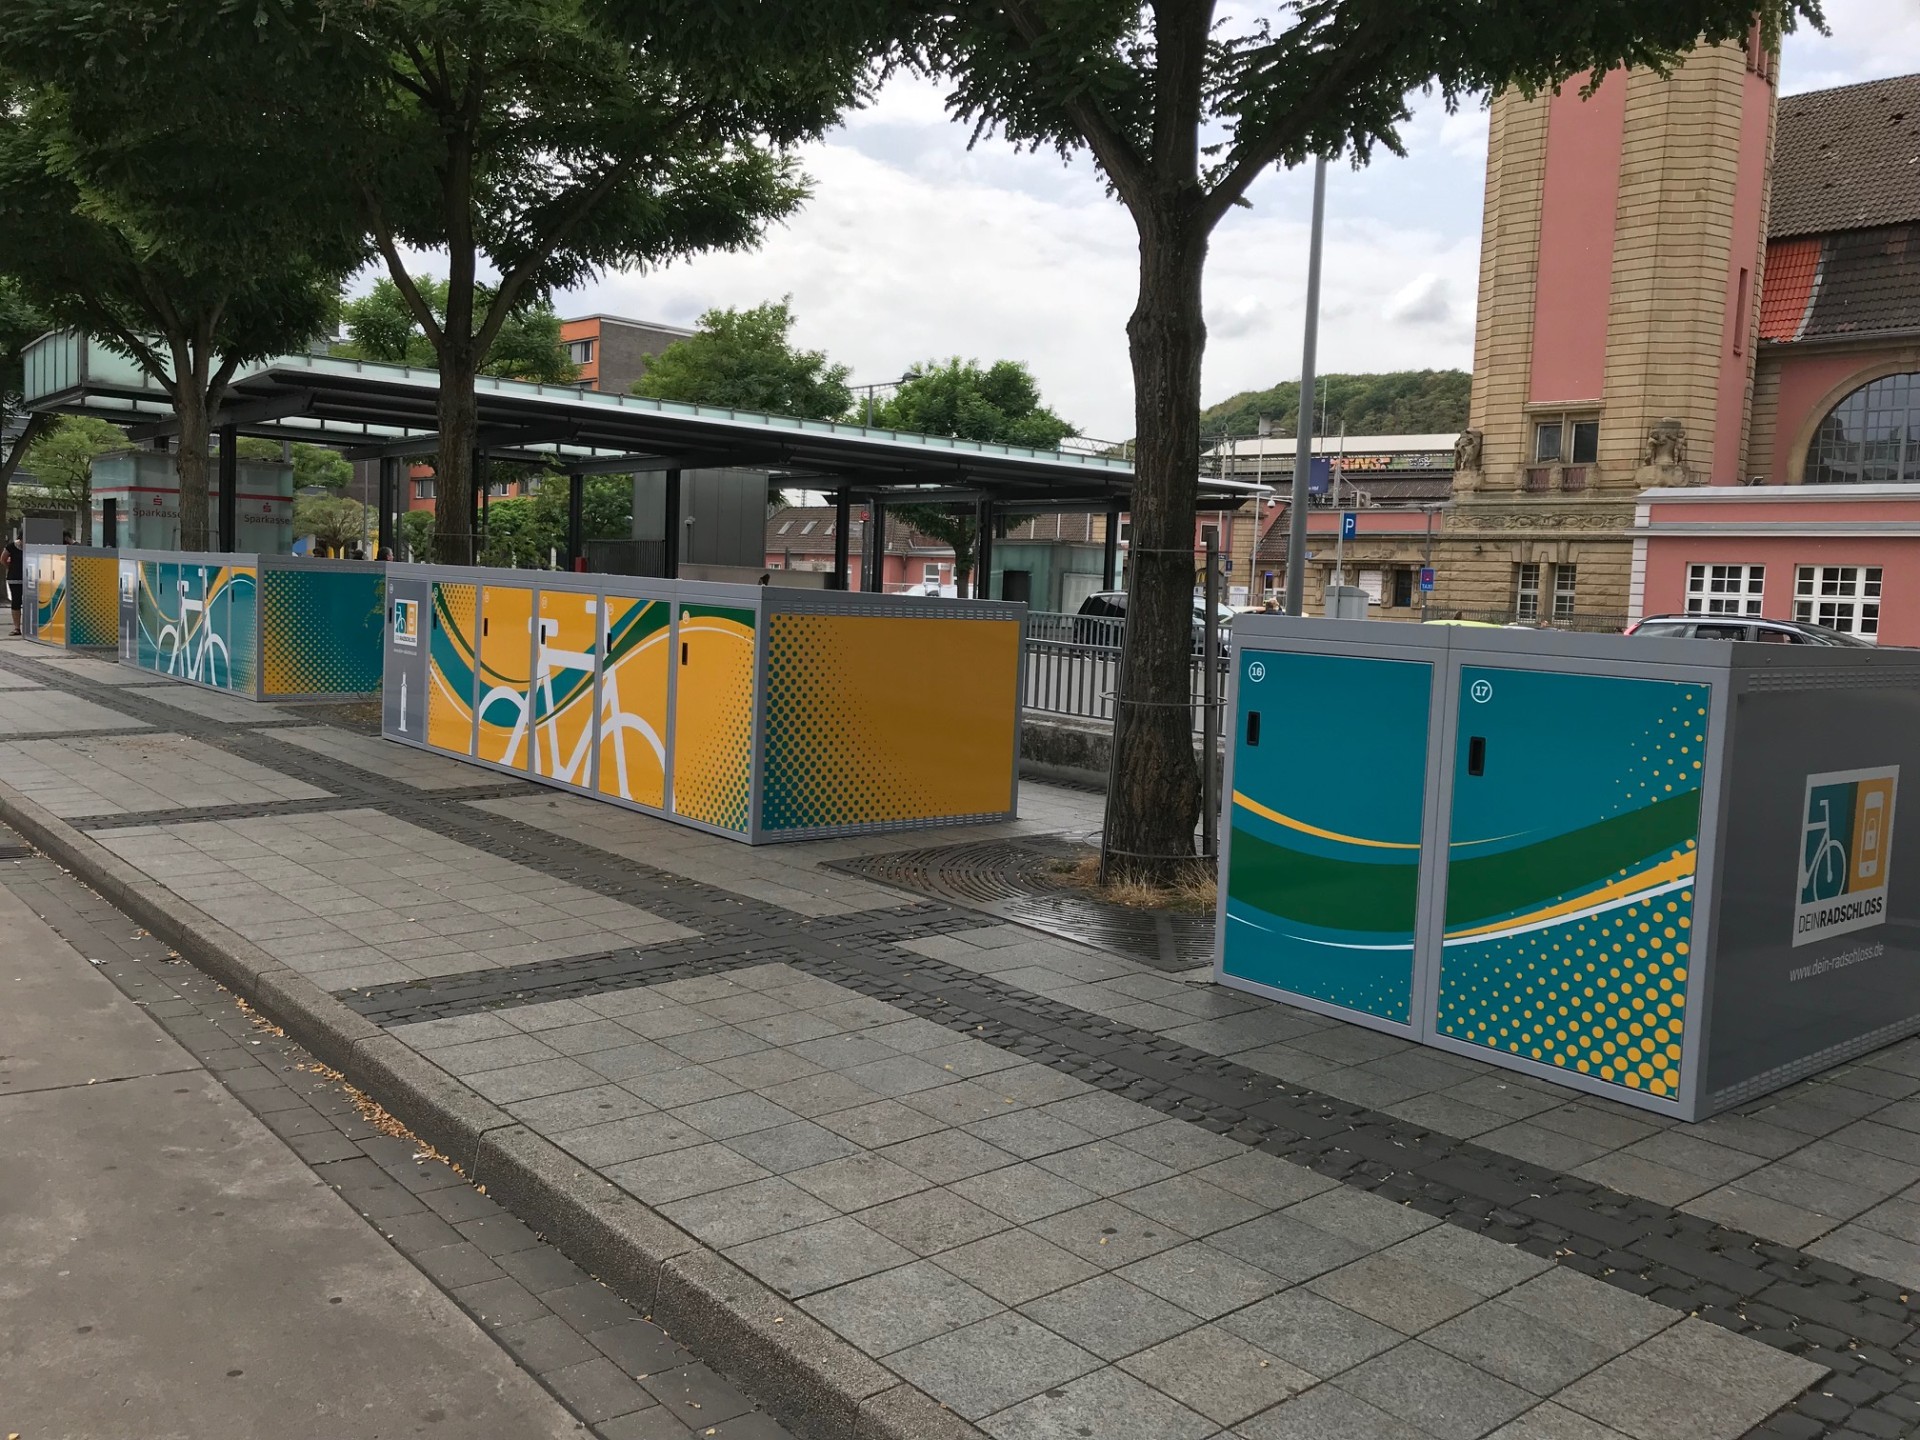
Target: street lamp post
[879,385]
[1303,448]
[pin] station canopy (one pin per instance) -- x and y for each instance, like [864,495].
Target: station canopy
[369,410]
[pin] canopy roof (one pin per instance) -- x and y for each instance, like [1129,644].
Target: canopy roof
[373,410]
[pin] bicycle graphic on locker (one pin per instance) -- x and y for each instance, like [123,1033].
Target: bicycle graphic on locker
[189,649]
[615,720]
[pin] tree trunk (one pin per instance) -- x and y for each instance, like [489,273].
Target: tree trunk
[190,461]
[453,539]
[1155,801]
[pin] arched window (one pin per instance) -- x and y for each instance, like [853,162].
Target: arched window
[1870,438]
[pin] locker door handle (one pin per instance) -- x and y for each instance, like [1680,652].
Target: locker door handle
[1253,727]
[1477,755]
[683,652]
[483,625]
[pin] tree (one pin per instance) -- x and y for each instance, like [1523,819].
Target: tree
[528,135]
[1182,105]
[746,360]
[61,463]
[20,325]
[322,466]
[380,325]
[333,521]
[958,398]
[1400,402]
[193,238]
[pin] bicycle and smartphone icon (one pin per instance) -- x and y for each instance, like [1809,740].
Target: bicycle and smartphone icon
[1845,838]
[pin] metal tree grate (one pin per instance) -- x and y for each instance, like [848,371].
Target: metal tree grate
[1020,880]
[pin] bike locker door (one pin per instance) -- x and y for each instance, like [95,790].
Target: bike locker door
[566,662]
[451,667]
[713,716]
[1324,863]
[506,673]
[634,682]
[404,685]
[1572,847]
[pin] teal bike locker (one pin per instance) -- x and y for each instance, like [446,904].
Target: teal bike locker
[1668,872]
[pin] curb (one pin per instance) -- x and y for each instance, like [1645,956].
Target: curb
[816,1383]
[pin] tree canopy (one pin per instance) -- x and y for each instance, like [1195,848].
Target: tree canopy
[381,325]
[61,460]
[1398,402]
[999,403]
[746,360]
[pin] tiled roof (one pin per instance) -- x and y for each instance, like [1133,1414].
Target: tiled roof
[1847,159]
[809,530]
[1854,283]
[1786,294]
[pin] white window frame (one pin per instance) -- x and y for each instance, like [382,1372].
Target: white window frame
[1565,426]
[425,489]
[580,352]
[1841,597]
[1714,589]
[930,573]
[1565,580]
[1526,591]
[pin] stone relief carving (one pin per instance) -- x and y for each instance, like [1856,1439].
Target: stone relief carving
[1666,443]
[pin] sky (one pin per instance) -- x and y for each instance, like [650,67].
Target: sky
[916,247]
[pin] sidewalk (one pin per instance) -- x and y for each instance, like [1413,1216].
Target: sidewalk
[1055,1190]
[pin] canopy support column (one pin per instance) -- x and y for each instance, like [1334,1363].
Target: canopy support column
[873,570]
[983,551]
[384,541]
[1110,559]
[842,528]
[576,519]
[671,526]
[229,489]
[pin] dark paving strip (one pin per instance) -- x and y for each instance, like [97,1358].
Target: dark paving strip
[476,991]
[62,736]
[582,1342]
[271,809]
[1861,1326]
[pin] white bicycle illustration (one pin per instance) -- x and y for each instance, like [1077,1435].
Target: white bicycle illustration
[1823,874]
[189,649]
[615,720]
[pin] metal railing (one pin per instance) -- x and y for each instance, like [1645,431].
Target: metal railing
[1072,665]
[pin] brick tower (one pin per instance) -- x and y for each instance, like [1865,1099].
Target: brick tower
[1619,275]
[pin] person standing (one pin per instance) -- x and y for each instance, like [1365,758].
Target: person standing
[15,560]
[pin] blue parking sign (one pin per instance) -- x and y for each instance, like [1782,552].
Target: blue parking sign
[1349,524]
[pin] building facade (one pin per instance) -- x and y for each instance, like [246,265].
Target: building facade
[1697,361]
[612,352]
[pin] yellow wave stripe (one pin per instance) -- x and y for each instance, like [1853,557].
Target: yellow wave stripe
[1247,803]
[1678,867]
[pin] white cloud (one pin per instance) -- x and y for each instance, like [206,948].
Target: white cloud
[916,246]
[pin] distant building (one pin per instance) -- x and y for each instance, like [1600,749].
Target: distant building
[612,352]
[802,537]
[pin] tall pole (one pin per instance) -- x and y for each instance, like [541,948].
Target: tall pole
[1210,702]
[1303,448]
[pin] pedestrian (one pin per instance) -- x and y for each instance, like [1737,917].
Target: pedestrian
[15,560]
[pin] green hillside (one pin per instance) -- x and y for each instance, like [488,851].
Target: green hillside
[1404,402]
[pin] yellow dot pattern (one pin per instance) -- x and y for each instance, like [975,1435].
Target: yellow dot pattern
[1604,995]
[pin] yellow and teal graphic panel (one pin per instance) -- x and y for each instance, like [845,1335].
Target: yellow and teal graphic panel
[565,657]
[50,598]
[713,716]
[450,667]
[321,631]
[93,600]
[1575,833]
[1324,874]
[197,623]
[506,672]
[633,700]
[878,719]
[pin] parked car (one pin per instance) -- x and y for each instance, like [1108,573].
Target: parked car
[1100,614]
[1743,627]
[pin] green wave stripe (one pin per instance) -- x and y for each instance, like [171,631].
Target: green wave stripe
[1487,887]
[1366,897]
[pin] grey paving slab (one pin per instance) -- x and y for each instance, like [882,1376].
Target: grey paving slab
[1109,1317]
[1549,1421]
[1107,1402]
[753,1211]
[1202,1280]
[1603,1313]
[1215,1372]
[1015,1266]
[1522,1349]
[1410,1298]
[53,712]
[992,1365]
[819,1257]
[932,1220]
[417,768]
[1327,1412]
[1311,1332]
[1430,1389]
[139,772]
[901,1307]
[213,704]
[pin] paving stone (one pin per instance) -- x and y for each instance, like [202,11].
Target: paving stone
[1739,1209]
[1552,1422]
[818,1096]
[900,1307]
[577,1109]
[1022,1193]
[1026,1133]
[696,1396]
[1692,1155]
[1105,1167]
[1327,1412]
[818,1257]
[1541,1145]
[872,1125]
[1311,1332]
[1179,1145]
[1474,1262]
[1407,1297]
[526,1082]
[1015,1266]
[1441,1395]
[933,1220]
[1215,1372]
[596,1390]
[1519,1348]
[1268,1181]
[675,1089]
[501,1302]
[858,1181]
[1446,1115]
[1602,1313]
[724,1218]
[798,1145]
[1108,1234]
[992,1365]
[1365,1219]
[547,1343]
[1106,1402]
[1108,1316]
[897,1077]
[1637,1176]
[1650,1403]
[947,1155]
[677,1174]
[1202,1280]
[1760,1376]
[1290,1248]
[1824,1194]
[1101,1114]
